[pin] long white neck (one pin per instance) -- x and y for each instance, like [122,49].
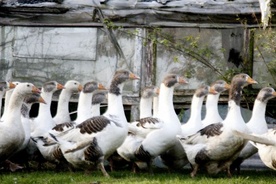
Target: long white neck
[63,107]
[166,108]
[234,118]
[115,104]
[196,106]
[212,112]
[212,103]
[257,122]
[7,101]
[45,109]
[145,107]
[84,105]
[95,109]
[155,105]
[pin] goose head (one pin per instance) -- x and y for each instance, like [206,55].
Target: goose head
[34,98]
[91,86]
[238,82]
[220,86]
[266,94]
[119,78]
[171,80]
[52,86]
[73,86]
[150,91]
[26,88]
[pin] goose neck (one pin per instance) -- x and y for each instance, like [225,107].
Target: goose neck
[145,107]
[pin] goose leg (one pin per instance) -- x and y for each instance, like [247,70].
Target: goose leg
[193,173]
[101,166]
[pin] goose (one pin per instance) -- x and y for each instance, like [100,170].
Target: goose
[4,86]
[175,158]
[52,153]
[158,141]
[266,145]
[62,114]
[212,113]
[95,139]
[11,129]
[133,140]
[194,123]
[44,120]
[257,124]
[85,100]
[22,155]
[7,100]
[215,146]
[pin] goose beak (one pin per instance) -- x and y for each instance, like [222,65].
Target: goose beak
[80,88]
[213,91]
[181,80]
[35,90]
[11,85]
[101,87]
[60,86]
[41,100]
[133,76]
[157,91]
[274,94]
[227,86]
[251,81]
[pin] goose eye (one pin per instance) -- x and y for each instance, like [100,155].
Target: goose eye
[75,83]
[28,85]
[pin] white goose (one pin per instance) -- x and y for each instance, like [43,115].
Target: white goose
[175,158]
[85,100]
[11,129]
[257,124]
[52,153]
[70,88]
[212,113]
[134,140]
[194,123]
[160,140]
[22,155]
[4,86]
[101,135]
[215,146]
[44,120]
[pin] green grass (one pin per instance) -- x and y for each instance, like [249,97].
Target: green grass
[126,177]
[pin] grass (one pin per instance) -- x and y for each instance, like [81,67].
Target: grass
[126,177]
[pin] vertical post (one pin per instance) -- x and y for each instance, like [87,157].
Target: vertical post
[137,68]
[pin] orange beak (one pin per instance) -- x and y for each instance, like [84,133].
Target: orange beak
[227,86]
[60,86]
[181,80]
[213,91]
[251,81]
[41,100]
[274,94]
[35,90]
[11,85]
[80,88]
[101,87]
[133,76]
